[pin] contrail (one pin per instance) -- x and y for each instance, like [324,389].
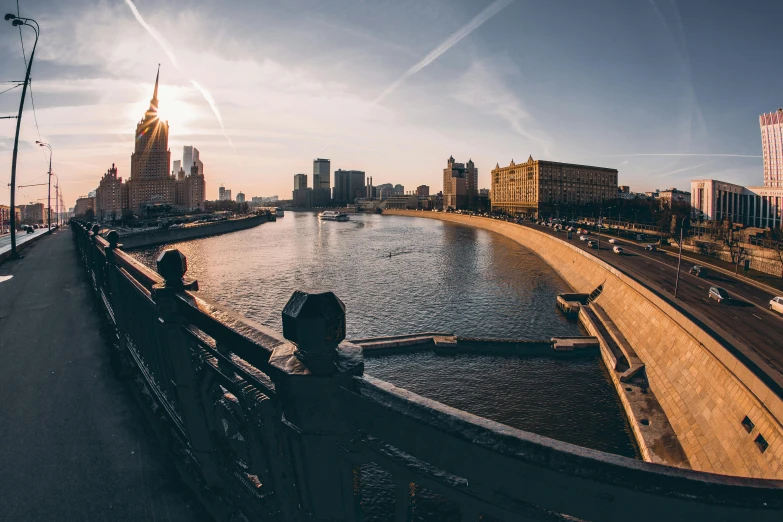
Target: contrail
[166,46]
[683,170]
[683,155]
[447,44]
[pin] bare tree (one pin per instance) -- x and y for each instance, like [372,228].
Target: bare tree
[774,241]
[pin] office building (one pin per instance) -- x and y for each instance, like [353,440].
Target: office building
[772,148]
[673,196]
[423,190]
[321,174]
[302,196]
[348,185]
[399,190]
[460,185]
[151,183]
[538,186]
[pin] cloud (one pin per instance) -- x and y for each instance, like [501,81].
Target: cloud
[684,170]
[490,11]
[495,98]
[677,154]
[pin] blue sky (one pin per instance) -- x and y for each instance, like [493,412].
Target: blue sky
[608,83]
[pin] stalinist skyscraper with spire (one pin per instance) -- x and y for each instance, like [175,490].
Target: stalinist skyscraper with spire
[151,182]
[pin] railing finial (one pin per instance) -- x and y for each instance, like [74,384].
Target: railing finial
[172,266]
[95,229]
[113,238]
[315,323]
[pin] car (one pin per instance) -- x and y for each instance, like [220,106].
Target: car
[613,241]
[618,250]
[582,238]
[651,248]
[29,229]
[592,244]
[698,271]
[776,305]
[719,294]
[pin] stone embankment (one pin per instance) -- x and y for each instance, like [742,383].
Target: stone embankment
[175,235]
[725,418]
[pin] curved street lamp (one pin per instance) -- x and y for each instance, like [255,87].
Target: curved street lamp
[49,195]
[29,22]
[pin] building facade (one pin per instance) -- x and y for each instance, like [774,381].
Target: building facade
[423,190]
[672,196]
[322,174]
[300,181]
[150,182]
[460,185]
[83,204]
[240,197]
[348,185]
[538,186]
[772,147]
[302,196]
[111,196]
[751,206]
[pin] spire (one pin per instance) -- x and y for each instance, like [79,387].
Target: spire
[154,100]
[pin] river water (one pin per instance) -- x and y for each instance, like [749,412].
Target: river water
[439,277]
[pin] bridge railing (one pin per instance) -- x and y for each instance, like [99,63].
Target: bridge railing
[266,427]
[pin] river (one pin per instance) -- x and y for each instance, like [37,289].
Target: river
[439,277]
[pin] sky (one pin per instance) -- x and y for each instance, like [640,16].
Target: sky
[665,91]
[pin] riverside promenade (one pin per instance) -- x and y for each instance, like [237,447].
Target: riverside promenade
[75,444]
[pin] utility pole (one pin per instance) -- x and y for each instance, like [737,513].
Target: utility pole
[18,22]
[49,195]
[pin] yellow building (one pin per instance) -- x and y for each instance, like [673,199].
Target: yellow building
[538,186]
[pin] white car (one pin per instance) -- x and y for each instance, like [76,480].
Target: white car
[776,305]
[582,238]
[618,250]
[613,241]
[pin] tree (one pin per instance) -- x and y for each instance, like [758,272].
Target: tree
[774,241]
[89,215]
[729,237]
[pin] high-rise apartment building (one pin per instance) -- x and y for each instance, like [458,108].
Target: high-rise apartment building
[240,197]
[348,185]
[460,184]
[538,186]
[423,190]
[111,196]
[772,147]
[150,181]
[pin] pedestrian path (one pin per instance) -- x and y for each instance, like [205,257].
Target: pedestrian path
[75,445]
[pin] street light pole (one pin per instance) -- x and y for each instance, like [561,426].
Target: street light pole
[17,22]
[49,195]
[679,259]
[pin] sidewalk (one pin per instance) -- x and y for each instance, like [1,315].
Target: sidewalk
[74,445]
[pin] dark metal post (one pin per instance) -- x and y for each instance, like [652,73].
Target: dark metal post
[19,21]
[312,369]
[679,260]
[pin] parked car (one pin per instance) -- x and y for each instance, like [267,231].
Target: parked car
[719,294]
[618,250]
[698,271]
[592,244]
[651,248]
[582,238]
[29,229]
[776,305]
[613,241]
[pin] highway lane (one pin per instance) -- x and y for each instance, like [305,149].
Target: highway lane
[744,321]
[21,237]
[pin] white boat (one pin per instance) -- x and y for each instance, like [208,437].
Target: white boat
[331,215]
[279,212]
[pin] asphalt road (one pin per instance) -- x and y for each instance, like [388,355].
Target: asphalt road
[21,237]
[745,320]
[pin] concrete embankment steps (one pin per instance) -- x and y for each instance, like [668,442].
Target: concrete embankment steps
[635,364]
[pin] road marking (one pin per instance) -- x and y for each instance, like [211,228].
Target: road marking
[701,287]
[757,317]
[5,278]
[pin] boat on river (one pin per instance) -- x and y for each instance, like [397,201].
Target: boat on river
[331,215]
[279,212]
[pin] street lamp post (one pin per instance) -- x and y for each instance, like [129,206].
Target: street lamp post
[679,258]
[29,22]
[49,194]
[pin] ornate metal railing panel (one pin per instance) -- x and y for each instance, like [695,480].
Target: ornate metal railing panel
[272,428]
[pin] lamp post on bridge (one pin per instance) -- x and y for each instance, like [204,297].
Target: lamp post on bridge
[49,194]
[29,22]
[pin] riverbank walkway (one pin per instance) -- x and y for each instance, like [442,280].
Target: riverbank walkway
[74,444]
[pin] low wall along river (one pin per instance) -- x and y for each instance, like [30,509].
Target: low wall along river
[704,390]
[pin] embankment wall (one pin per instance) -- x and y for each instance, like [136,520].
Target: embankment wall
[705,391]
[174,235]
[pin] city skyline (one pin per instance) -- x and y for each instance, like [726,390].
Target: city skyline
[374,91]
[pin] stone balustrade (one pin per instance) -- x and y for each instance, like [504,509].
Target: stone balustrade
[265,427]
